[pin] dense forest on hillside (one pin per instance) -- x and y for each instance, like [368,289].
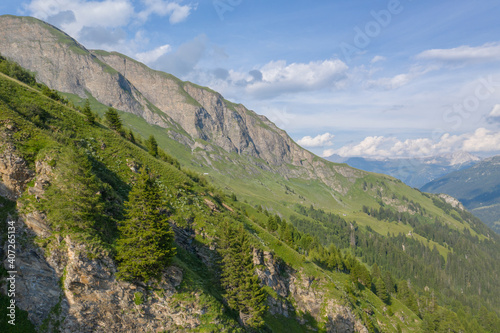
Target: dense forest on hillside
[105,176]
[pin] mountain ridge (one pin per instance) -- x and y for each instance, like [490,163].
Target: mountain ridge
[477,187]
[161,99]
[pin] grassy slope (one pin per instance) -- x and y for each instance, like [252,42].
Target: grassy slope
[35,143]
[273,191]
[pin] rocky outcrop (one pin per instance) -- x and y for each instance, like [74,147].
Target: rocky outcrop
[455,203]
[289,284]
[14,171]
[64,287]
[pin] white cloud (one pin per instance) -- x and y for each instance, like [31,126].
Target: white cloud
[153,55]
[377,58]
[320,140]
[464,53]
[496,111]
[107,13]
[390,82]
[95,21]
[278,77]
[482,140]
[399,80]
[176,12]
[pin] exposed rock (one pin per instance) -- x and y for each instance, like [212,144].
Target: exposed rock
[14,173]
[307,298]
[269,271]
[455,203]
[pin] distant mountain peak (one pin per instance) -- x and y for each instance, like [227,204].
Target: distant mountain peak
[461,157]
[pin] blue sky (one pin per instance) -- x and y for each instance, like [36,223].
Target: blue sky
[393,78]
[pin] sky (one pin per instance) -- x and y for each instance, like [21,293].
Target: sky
[379,79]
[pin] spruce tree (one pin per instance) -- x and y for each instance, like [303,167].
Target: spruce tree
[145,245]
[73,200]
[382,291]
[152,146]
[87,112]
[272,225]
[243,291]
[113,120]
[131,136]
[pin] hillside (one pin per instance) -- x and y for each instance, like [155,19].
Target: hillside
[477,187]
[52,163]
[306,219]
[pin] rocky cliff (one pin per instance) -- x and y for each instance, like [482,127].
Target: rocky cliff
[195,116]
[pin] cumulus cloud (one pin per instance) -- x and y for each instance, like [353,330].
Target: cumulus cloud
[482,140]
[377,58]
[176,12]
[320,140]
[107,13]
[101,23]
[464,53]
[278,77]
[495,112]
[153,55]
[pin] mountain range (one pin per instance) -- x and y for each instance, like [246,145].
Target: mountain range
[333,248]
[477,187]
[414,172]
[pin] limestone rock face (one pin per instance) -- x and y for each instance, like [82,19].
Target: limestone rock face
[14,172]
[307,298]
[192,115]
[65,65]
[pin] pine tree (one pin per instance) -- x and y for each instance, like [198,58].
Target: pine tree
[376,274]
[73,200]
[389,283]
[145,245]
[131,136]
[87,112]
[152,146]
[243,291]
[113,120]
[272,225]
[382,291]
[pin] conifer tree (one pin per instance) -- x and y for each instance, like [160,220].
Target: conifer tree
[152,146]
[87,112]
[73,201]
[243,291]
[113,120]
[382,291]
[376,271]
[145,245]
[272,225]
[131,136]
